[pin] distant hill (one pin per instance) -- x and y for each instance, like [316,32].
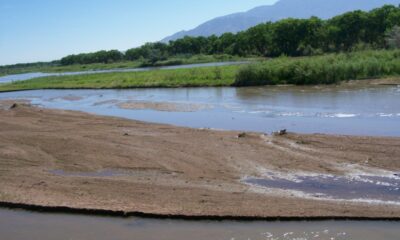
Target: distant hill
[283,9]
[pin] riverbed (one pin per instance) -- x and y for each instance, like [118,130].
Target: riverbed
[364,110]
[53,158]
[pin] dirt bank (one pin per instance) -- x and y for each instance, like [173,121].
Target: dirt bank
[76,160]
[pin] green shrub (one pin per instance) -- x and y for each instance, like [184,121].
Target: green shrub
[327,69]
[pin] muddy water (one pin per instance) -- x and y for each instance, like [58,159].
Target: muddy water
[384,189]
[27,76]
[373,111]
[17,225]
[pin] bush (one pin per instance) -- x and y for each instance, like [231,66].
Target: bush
[327,69]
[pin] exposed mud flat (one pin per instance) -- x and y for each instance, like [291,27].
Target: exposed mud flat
[156,106]
[383,81]
[55,158]
[163,106]
[69,98]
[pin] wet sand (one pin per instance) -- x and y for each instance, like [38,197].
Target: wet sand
[163,106]
[55,158]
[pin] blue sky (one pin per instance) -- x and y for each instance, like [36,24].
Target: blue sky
[43,30]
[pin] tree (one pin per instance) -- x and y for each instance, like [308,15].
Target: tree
[351,31]
[114,56]
[287,37]
[393,37]
[378,21]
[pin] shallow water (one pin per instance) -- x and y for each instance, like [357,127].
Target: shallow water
[17,225]
[356,188]
[373,111]
[27,76]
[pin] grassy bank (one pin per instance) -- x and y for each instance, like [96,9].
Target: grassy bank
[195,77]
[327,69]
[55,68]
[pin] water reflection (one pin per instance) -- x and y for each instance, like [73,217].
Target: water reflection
[356,111]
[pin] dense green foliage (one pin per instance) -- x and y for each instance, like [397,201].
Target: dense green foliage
[327,69]
[291,37]
[97,57]
[299,37]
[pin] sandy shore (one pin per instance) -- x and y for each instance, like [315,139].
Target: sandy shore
[71,159]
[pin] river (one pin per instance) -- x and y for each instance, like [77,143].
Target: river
[367,110]
[17,225]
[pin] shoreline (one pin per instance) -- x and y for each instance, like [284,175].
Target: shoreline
[58,160]
[125,65]
[121,214]
[388,81]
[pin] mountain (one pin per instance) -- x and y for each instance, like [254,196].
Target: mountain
[282,9]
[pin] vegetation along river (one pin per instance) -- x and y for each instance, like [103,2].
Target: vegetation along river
[28,76]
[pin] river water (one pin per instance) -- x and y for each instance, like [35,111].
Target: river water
[362,110]
[367,110]
[17,225]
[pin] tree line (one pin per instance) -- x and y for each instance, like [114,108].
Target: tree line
[355,30]
[96,57]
